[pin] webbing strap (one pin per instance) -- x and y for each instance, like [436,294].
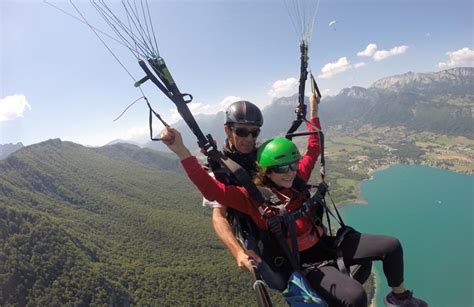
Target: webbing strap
[274,224]
[328,219]
[340,260]
[320,198]
[241,175]
[340,221]
[301,110]
[290,221]
[322,170]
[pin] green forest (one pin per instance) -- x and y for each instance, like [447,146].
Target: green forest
[117,225]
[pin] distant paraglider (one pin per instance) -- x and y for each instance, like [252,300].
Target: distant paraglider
[332,24]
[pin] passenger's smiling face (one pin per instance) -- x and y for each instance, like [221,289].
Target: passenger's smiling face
[283,176]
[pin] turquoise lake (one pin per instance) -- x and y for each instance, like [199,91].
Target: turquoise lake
[431,211]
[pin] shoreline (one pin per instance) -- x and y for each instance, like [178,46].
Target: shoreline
[372,172]
[360,200]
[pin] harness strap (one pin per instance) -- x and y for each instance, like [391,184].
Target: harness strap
[319,198]
[322,170]
[340,263]
[290,220]
[340,260]
[274,224]
[241,175]
[341,222]
[328,219]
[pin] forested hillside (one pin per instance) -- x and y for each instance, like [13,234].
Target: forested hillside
[115,225]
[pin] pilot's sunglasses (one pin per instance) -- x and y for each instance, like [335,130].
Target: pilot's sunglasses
[244,132]
[282,169]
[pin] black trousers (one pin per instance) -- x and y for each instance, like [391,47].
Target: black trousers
[339,289]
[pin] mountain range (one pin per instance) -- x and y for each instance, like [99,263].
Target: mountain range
[440,102]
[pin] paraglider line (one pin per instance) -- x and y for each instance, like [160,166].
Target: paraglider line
[128,107]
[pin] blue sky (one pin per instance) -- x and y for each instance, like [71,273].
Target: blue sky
[59,81]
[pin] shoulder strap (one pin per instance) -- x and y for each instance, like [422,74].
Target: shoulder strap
[275,223]
[299,184]
[240,175]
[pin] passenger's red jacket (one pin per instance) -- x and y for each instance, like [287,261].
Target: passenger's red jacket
[237,197]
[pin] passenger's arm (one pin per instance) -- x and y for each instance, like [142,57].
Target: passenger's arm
[308,161]
[226,235]
[314,105]
[213,190]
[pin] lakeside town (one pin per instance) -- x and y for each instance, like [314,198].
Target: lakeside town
[354,155]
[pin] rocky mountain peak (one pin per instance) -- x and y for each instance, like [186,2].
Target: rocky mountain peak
[355,92]
[422,80]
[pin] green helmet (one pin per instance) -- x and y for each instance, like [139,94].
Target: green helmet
[277,151]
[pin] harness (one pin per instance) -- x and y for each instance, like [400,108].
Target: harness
[314,207]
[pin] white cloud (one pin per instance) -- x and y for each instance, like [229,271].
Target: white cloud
[227,101]
[461,57]
[199,108]
[359,65]
[331,69]
[140,132]
[13,107]
[175,116]
[369,50]
[327,92]
[284,87]
[384,54]
[195,108]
